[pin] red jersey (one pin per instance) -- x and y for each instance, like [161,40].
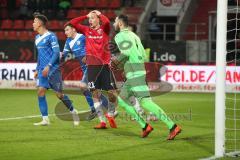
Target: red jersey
[97,40]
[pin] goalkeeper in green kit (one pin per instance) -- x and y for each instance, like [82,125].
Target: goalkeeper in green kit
[133,57]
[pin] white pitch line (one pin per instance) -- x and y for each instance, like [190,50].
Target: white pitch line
[79,112]
[188,99]
[35,116]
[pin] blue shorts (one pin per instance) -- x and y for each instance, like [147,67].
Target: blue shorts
[52,81]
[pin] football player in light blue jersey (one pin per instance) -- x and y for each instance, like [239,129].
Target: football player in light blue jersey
[47,73]
[75,44]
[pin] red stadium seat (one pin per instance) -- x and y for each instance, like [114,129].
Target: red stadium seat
[7,24]
[2,35]
[61,35]
[115,4]
[28,24]
[72,13]
[11,35]
[31,35]
[24,35]
[54,25]
[78,4]
[133,19]
[102,4]
[133,10]
[84,12]
[90,3]
[18,24]
[110,14]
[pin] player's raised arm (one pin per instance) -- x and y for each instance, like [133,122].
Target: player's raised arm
[105,23]
[76,23]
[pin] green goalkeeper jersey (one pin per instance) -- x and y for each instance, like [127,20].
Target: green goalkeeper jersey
[130,46]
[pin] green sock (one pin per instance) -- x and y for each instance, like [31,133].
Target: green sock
[131,111]
[149,105]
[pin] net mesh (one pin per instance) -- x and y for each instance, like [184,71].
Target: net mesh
[232,133]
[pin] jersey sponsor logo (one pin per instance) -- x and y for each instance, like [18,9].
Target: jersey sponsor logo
[95,37]
[54,43]
[99,31]
[166,3]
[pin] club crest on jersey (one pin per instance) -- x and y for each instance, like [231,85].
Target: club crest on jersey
[99,31]
[78,42]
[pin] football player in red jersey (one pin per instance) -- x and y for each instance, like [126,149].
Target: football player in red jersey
[100,76]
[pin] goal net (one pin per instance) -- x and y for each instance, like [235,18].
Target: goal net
[232,100]
[227,104]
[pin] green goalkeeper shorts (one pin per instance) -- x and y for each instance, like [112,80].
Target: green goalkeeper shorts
[136,87]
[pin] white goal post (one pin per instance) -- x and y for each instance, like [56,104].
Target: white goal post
[221,52]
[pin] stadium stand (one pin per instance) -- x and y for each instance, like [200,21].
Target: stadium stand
[22,22]
[200,16]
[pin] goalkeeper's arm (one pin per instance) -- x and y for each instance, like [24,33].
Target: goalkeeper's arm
[116,62]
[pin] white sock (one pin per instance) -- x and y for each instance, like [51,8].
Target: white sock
[97,106]
[74,111]
[111,109]
[45,118]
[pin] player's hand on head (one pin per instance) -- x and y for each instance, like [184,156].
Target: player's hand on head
[89,14]
[97,12]
[45,71]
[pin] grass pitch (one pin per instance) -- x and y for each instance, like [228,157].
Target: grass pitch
[19,139]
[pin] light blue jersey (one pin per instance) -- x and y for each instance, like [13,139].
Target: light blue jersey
[48,55]
[48,51]
[77,47]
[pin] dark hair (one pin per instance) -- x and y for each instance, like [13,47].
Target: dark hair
[68,24]
[124,19]
[41,17]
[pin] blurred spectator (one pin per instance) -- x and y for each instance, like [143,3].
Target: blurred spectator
[32,5]
[3,3]
[129,3]
[23,10]
[64,5]
[153,27]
